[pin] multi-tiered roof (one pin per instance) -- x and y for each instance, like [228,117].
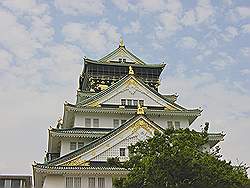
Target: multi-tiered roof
[101,84]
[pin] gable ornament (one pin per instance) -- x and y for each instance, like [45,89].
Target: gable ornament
[131,71]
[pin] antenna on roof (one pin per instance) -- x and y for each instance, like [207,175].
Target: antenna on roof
[121,44]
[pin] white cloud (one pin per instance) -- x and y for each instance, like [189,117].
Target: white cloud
[219,109]
[133,27]
[222,61]
[230,33]
[245,51]
[96,38]
[5,59]
[239,13]
[202,13]
[245,28]
[76,7]
[29,7]
[187,42]
[245,71]
[243,12]
[16,37]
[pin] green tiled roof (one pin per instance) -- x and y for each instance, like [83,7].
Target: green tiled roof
[88,61]
[120,82]
[100,140]
[80,132]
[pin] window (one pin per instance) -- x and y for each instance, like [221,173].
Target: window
[122,152]
[129,102]
[116,123]
[91,182]
[177,125]
[123,121]
[73,182]
[80,144]
[95,122]
[135,102]
[77,182]
[2,183]
[69,182]
[72,146]
[124,60]
[15,183]
[141,102]
[120,60]
[170,124]
[101,183]
[123,102]
[87,122]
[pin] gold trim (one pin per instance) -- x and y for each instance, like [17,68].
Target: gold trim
[142,124]
[77,162]
[131,71]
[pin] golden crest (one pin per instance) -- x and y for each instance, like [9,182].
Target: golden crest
[77,162]
[142,124]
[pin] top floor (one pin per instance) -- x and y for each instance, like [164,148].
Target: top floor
[97,75]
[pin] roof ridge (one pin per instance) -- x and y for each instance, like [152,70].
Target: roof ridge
[100,140]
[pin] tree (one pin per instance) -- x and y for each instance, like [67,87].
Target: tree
[175,159]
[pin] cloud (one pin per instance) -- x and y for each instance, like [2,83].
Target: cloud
[133,27]
[16,38]
[95,38]
[230,33]
[187,42]
[245,71]
[5,60]
[239,13]
[245,28]
[222,61]
[245,51]
[219,108]
[202,13]
[25,7]
[79,7]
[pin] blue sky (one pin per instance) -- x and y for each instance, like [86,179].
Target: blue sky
[204,43]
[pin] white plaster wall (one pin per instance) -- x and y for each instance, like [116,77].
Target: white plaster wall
[162,120]
[132,93]
[54,182]
[105,120]
[65,144]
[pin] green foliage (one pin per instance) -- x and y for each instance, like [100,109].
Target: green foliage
[175,159]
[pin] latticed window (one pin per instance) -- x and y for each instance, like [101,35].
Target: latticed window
[122,152]
[69,182]
[141,102]
[177,125]
[92,182]
[129,102]
[77,182]
[116,123]
[101,182]
[123,102]
[72,146]
[15,183]
[170,124]
[87,122]
[73,182]
[135,102]
[2,183]
[80,144]
[95,122]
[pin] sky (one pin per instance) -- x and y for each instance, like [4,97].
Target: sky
[205,44]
